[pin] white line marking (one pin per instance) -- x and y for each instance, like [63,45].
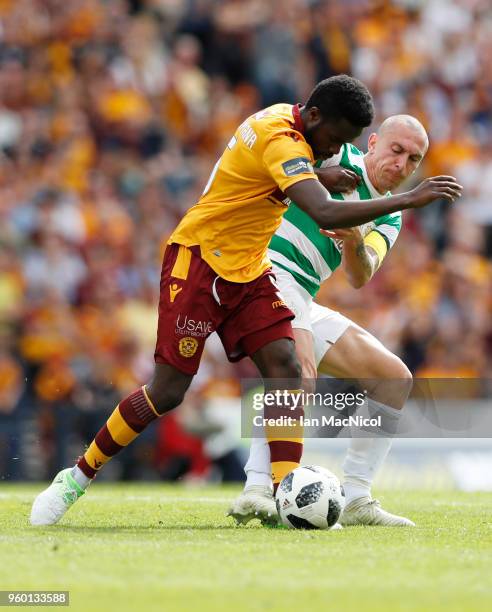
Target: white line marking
[137,498]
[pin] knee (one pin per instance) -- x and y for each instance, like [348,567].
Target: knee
[400,371]
[284,364]
[394,381]
[167,388]
[165,400]
[406,377]
[390,367]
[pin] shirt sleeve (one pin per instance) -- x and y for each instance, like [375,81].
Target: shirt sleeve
[389,227]
[331,161]
[288,161]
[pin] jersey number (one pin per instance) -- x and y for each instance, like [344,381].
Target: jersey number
[231,144]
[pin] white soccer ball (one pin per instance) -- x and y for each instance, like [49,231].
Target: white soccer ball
[310,497]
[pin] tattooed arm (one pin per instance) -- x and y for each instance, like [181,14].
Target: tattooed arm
[359,260]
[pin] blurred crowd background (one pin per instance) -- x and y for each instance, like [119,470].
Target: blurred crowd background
[112,114]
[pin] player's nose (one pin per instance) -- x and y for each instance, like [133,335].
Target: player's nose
[400,163]
[399,166]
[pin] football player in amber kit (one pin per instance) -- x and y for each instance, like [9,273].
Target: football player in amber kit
[216,271]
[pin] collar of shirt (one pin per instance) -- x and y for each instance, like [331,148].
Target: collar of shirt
[298,122]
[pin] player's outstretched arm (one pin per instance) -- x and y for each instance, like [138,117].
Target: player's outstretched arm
[315,200]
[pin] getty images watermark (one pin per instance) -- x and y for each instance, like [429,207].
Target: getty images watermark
[336,408]
[293,401]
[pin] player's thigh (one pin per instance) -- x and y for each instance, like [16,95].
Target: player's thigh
[299,302]
[258,325]
[358,354]
[328,326]
[305,352]
[277,360]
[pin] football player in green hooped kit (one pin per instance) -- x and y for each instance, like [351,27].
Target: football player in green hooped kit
[303,257]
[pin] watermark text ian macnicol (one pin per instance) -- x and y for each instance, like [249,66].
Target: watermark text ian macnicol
[323,421]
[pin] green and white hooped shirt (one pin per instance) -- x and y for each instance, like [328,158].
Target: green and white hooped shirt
[310,257]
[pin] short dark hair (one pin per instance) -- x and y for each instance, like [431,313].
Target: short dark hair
[343,97]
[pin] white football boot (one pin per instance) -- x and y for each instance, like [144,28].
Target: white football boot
[255,502]
[52,503]
[367,511]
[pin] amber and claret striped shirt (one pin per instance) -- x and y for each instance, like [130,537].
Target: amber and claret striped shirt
[243,202]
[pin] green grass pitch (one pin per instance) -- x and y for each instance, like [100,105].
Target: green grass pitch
[155,547]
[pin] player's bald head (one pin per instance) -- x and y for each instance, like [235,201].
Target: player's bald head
[404,125]
[395,151]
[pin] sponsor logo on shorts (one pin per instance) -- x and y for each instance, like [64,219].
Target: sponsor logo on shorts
[174,289]
[299,165]
[193,327]
[187,346]
[279,304]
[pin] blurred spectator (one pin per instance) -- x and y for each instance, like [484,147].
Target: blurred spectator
[112,115]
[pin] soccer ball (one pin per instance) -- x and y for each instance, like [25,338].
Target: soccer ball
[310,497]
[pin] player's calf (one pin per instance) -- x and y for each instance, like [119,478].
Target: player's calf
[281,370]
[127,421]
[132,416]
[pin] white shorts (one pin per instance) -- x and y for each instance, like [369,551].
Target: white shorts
[326,325]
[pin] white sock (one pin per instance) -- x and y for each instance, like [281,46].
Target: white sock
[80,478]
[363,459]
[258,478]
[258,470]
[366,455]
[390,417]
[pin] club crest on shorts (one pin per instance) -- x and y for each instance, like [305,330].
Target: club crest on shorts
[187,346]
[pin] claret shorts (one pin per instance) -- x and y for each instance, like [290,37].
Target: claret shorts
[195,302]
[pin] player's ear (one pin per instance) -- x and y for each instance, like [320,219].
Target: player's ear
[314,115]
[371,143]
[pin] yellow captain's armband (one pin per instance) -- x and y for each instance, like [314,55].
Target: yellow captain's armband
[376,241]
